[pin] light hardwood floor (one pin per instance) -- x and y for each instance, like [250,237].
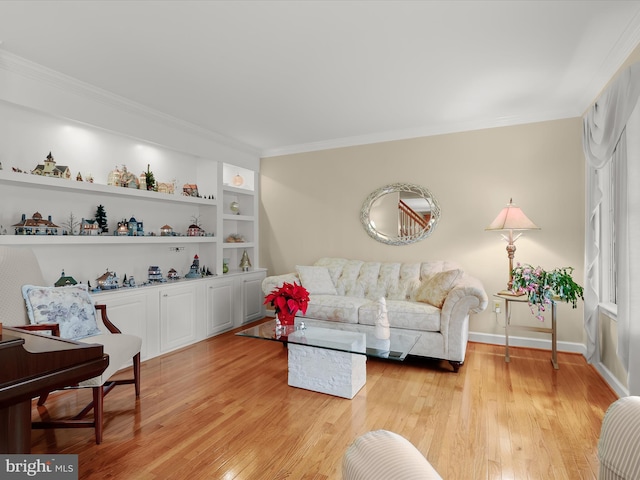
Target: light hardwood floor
[222,409]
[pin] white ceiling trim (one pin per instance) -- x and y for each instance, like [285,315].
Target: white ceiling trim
[620,52]
[416,133]
[25,68]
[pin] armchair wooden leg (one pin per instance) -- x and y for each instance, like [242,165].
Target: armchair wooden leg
[136,373]
[98,397]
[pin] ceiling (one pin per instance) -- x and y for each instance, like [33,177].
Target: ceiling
[291,76]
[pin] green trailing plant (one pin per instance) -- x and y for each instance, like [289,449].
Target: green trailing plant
[543,287]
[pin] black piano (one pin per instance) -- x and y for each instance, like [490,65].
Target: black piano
[31,363]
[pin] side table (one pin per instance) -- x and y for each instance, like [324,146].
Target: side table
[522,299]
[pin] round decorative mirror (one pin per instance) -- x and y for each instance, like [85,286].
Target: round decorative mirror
[400,214]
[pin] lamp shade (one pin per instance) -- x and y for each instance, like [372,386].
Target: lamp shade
[512,218]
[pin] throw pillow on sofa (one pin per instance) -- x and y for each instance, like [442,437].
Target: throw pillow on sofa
[434,290]
[316,280]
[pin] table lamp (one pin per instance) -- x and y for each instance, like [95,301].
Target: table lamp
[509,219]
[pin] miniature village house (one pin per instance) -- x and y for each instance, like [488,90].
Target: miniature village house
[50,169]
[89,227]
[128,179]
[65,280]
[114,177]
[155,274]
[136,228]
[131,227]
[166,187]
[195,231]
[36,225]
[190,190]
[173,274]
[107,281]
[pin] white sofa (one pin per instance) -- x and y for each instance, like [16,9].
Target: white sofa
[433,299]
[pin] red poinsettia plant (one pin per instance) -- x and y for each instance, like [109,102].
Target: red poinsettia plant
[287,300]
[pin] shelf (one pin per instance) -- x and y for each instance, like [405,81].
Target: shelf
[238,245]
[149,286]
[36,181]
[235,272]
[237,190]
[98,240]
[245,218]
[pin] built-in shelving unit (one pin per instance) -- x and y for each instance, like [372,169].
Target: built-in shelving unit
[242,221]
[166,315]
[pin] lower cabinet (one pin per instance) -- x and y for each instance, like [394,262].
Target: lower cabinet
[168,316]
[218,306]
[177,316]
[252,297]
[135,312]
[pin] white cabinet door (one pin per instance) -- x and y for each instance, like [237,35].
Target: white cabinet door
[177,316]
[218,306]
[135,312]
[252,296]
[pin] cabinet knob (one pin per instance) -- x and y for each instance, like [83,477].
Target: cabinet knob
[165,294]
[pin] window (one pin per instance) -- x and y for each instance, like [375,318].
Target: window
[608,181]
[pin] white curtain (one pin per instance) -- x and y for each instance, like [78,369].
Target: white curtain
[612,128]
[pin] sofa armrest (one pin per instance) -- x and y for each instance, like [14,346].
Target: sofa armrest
[466,297]
[271,283]
[471,287]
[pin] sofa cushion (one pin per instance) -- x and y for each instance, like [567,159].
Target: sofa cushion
[335,308]
[434,290]
[316,280]
[403,314]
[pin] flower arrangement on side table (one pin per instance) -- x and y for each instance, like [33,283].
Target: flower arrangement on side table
[287,300]
[543,287]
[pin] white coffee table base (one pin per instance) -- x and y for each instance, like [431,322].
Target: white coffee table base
[336,373]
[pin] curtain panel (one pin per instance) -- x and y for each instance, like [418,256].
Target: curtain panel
[612,129]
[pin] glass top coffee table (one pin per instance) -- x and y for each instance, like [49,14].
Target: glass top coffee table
[329,360]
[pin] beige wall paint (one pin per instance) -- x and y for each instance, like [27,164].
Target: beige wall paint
[310,205]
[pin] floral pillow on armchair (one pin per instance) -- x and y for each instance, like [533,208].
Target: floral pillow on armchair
[70,307]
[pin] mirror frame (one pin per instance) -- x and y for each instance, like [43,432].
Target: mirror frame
[365,213]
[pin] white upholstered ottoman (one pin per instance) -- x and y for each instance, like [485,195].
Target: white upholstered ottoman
[384,455]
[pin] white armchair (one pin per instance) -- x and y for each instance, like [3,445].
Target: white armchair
[619,443]
[20,267]
[385,455]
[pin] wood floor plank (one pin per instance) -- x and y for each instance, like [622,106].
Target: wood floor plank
[222,409]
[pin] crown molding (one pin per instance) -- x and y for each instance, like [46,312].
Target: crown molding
[28,69]
[424,131]
[620,52]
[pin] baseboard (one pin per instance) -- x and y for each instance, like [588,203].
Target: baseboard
[611,380]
